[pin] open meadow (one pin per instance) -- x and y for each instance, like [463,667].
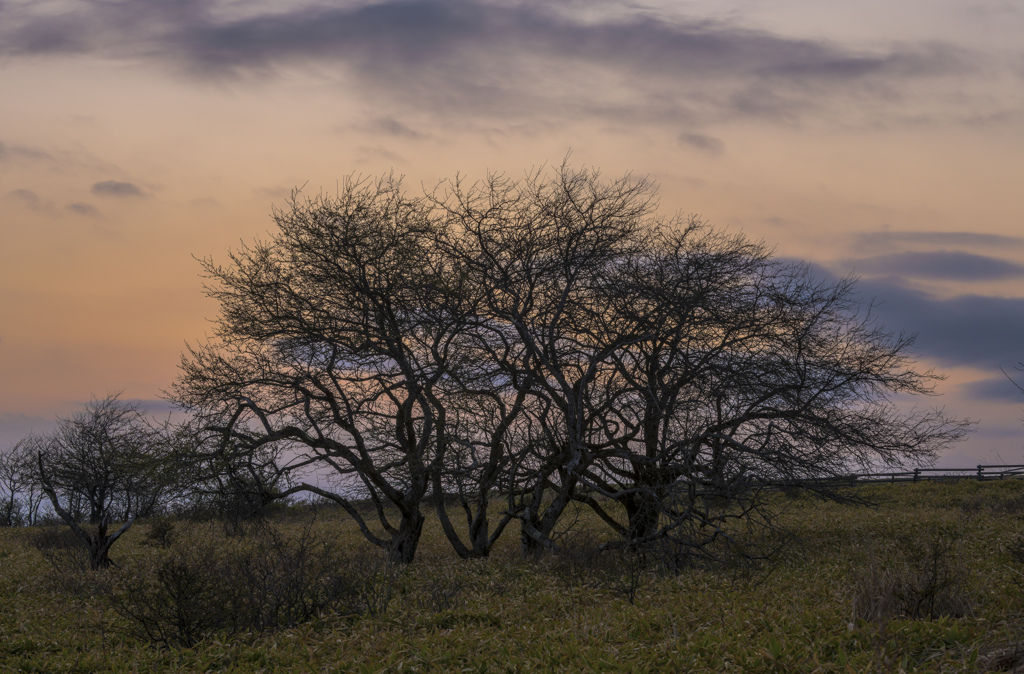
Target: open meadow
[928,580]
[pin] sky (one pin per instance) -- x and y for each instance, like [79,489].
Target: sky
[879,139]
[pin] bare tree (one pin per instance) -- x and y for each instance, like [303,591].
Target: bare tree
[750,374]
[539,254]
[333,343]
[541,341]
[20,483]
[667,369]
[103,465]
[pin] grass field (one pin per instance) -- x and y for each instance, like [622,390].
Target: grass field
[835,599]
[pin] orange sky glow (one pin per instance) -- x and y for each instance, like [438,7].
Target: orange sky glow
[864,138]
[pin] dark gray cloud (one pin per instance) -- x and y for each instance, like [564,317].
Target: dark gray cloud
[82,208]
[997,388]
[465,56]
[700,141]
[978,331]
[115,188]
[951,265]
[968,330]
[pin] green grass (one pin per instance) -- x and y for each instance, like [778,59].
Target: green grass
[795,613]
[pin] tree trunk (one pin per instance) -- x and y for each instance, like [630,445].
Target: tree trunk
[643,509]
[402,546]
[533,544]
[479,532]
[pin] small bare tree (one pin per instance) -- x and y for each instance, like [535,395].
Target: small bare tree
[103,465]
[19,484]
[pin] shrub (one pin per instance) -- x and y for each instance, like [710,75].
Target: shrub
[200,588]
[71,572]
[580,562]
[161,532]
[917,578]
[61,548]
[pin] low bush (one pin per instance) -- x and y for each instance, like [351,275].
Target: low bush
[63,550]
[917,577]
[161,532]
[202,587]
[67,555]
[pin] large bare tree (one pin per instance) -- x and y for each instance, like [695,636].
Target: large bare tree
[541,255]
[749,374]
[535,343]
[333,344]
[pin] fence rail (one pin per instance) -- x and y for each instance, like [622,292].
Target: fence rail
[980,473]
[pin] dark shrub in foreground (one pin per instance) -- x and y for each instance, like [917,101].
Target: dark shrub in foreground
[201,588]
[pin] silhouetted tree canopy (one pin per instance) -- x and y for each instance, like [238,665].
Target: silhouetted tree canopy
[514,347]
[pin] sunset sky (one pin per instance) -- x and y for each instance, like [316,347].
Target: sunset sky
[878,138]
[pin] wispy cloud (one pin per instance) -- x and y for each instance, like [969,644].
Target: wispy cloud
[12,152]
[389,126]
[950,265]
[465,57]
[886,240]
[994,388]
[700,141]
[115,188]
[82,208]
[29,199]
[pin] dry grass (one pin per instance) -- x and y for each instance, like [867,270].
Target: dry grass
[509,614]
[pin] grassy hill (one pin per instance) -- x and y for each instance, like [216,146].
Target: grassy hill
[926,581]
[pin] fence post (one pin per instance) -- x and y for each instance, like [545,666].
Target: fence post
[979,473]
[917,471]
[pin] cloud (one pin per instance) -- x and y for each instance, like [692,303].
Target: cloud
[273,192]
[967,330]
[114,188]
[465,57]
[82,208]
[978,331]
[392,127]
[28,198]
[11,152]
[952,265]
[14,427]
[708,144]
[367,153]
[31,200]
[886,240]
[998,389]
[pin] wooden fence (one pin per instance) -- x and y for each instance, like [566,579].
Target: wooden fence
[981,472]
